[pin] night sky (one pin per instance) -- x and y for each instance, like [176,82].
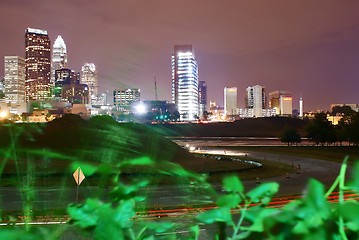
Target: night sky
[307,47]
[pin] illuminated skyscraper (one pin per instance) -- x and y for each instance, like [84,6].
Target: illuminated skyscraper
[256,99]
[14,79]
[230,101]
[185,82]
[59,56]
[90,78]
[38,64]
[281,101]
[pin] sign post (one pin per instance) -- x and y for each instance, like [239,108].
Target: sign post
[79,177]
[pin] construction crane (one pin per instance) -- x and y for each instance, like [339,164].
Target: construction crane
[155,88]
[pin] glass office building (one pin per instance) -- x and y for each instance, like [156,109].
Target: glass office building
[185,82]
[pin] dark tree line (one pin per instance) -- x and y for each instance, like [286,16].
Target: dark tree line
[321,131]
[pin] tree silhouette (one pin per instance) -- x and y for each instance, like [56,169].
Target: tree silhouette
[290,136]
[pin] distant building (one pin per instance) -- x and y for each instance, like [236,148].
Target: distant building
[185,82]
[282,102]
[99,100]
[75,93]
[59,56]
[249,112]
[354,107]
[2,84]
[64,76]
[160,110]
[38,64]
[301,107]
[68,87]
[217,112]
[123,99]
[14,80]
[230,101]
[2,89]
[255,99]
[89,77]
[202,97]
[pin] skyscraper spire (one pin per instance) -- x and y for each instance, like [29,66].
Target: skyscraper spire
[59,56]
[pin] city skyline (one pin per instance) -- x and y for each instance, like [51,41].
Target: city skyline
[254,43]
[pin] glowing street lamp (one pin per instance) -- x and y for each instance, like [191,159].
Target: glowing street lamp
[140,108]
[3,115]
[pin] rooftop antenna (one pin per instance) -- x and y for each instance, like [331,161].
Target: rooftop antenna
[155,88]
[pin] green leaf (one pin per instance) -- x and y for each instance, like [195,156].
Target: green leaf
[87,169]
[195,231]
[314,195]
[350,211]
[137,161]
[124,212]
[86,215]
[263,190]
[229,200]
[354,183]
[123,191]
[160,227]
[216,215]
[259,216]
[232,184]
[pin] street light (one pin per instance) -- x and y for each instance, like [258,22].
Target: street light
[3,115]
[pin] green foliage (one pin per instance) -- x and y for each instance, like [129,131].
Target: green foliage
[113,215]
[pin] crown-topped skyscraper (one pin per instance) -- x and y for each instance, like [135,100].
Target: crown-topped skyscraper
[59,56]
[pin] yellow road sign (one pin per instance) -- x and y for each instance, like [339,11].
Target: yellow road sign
[79,176]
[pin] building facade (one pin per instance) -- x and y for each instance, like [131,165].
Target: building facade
[38,64]
[256,99]
[185,82]
[14,79]
[202,97]
[65,76]
[89,77]
[123,99]
[230,101]
[75,93]
[59,56]
[282,102]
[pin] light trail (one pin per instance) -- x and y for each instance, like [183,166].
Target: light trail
[175,213]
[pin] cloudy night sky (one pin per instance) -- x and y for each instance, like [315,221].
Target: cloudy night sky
[304,46]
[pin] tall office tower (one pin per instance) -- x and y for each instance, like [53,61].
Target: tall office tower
[282,102]
[123,99]
[90,78]
[38,64]
[185,82]
[301,107]
[230,101]
[256,99]
[14,79]
[202,97]
[59,56]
